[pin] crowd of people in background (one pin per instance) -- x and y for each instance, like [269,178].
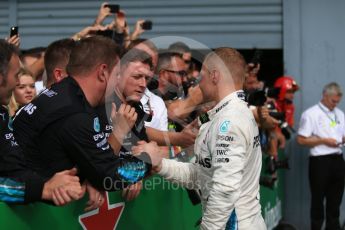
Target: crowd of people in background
[108,105]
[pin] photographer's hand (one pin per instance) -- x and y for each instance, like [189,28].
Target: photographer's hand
[252,69]
[263,113]
[264,119]
[138,30]
[102,14]
[120,22]
[14,40]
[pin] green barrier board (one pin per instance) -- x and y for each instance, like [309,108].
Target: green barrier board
[160,205]
[272,199]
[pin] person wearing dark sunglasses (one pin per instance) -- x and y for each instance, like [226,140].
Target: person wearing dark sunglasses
[171,73]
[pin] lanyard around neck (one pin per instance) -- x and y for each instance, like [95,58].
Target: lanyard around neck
[333,121]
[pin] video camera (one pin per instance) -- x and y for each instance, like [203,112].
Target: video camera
[259,98]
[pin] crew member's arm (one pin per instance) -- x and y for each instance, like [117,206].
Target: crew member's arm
[182,173]
[96,159]
[31,188]
[122,122]
[185,138]
[180,109]
[18,184]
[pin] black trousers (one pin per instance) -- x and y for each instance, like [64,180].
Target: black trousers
[326,180]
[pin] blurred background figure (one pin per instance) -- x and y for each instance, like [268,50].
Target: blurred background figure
[24,92]
[288,87]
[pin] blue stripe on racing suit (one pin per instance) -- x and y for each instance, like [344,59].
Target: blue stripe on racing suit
[11,191]
[232,222]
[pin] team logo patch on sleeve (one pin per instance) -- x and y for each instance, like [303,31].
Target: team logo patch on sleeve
[96,125]
[224,127]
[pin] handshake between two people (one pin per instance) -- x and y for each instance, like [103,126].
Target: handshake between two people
[153,150]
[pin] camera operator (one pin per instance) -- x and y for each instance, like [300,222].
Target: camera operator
[270,136]
[258,107]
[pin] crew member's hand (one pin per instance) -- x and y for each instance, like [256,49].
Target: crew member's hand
[14,40]
[132,191]
[96,198]
[124,119]
[330,142]
[154,151]
[63,187]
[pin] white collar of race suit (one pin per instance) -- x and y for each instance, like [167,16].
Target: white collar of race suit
[222,104]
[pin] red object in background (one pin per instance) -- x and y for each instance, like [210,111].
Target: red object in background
[286,84]
[289,110]
[106,217]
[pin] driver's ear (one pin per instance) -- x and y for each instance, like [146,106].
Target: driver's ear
[215,76]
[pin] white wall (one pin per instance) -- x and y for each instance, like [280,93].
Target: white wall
[314,53]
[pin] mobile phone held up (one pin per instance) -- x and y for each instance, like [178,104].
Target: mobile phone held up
[13,31]
[113,8]
[146,25]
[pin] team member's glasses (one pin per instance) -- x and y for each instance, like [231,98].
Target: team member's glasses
[181,73]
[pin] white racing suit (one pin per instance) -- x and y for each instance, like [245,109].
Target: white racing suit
[227,168]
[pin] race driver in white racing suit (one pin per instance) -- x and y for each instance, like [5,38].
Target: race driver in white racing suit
[227,149]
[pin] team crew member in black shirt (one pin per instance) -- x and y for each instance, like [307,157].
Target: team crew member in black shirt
[18,184]
[136,69]
[61,128]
